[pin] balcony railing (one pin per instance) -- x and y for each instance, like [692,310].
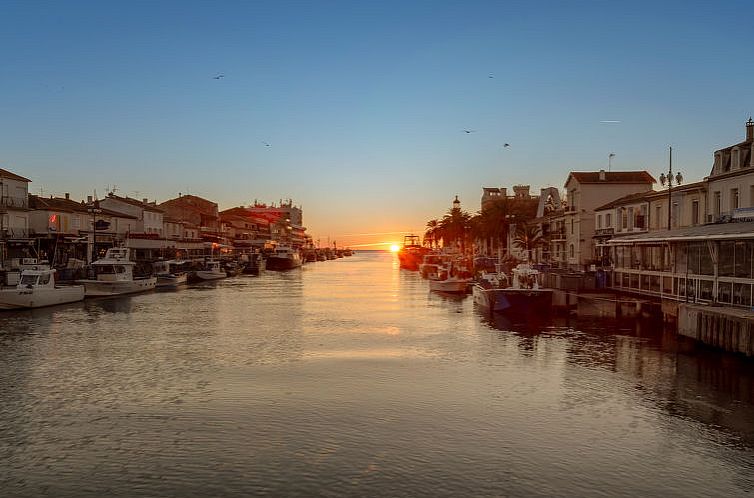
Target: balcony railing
[14,233]
[7,201]
[604,231]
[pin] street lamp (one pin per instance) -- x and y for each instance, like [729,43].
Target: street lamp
[94,210]
[610,160]
[669,179]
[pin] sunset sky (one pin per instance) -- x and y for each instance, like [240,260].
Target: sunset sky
[364,104]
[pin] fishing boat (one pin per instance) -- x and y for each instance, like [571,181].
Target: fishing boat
[171,273]
[452,278]
[283,258]
[411,253]
[114,275]
[520,294]
[210,270]
[36,288]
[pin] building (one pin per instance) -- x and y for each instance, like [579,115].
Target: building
[286,221]
[196,211]
[586,191]
[148,215]
[696,262]
[14,216]
[730,184]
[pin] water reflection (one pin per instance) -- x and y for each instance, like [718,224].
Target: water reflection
[348,377]
[716,389]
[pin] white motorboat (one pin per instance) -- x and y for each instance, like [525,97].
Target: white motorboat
[450,279]
[37,288]
[170,273]
[114,275]
[211,271]
[524,296]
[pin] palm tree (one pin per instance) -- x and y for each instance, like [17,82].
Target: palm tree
[432,233]
[454,227]
[527,238]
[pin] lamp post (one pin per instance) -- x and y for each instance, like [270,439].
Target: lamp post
[670,179]
[610,160]
[94,210]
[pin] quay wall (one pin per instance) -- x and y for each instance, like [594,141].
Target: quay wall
[728,329]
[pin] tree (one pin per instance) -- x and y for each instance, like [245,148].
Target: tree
[432,234]
[527,238]
[454,227]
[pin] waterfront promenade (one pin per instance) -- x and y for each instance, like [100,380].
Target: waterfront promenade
[350,378]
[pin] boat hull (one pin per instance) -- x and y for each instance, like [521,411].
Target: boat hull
[514,301]
[171,281]
[451,285]
[205,276]
[255,265]
[98,288]
[277,263]
[36,298]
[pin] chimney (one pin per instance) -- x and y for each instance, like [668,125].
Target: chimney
[749,130]
[67,196]
[88,199]
[145,200]
[602,175]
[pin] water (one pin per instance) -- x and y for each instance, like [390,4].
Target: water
[349,378]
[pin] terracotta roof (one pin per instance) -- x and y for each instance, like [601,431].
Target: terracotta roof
[56,204]
[135,202]
[612,177]
[626,199]
[4,173]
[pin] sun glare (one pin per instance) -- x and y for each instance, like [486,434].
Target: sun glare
[394,248]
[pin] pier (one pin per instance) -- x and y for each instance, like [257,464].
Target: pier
[729,329]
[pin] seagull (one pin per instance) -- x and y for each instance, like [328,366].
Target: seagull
[469,131]
[218,77]
[266,144]
[506,145]
[491,76]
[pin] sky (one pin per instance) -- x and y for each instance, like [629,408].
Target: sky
[356,110]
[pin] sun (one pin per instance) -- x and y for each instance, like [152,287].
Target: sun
[395,248]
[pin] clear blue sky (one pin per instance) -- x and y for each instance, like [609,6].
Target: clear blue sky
[364,103]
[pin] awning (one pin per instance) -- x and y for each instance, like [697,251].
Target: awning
[719,231]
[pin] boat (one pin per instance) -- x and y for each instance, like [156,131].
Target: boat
[452,279]
[411,253]
[36,288]
[432,263]
[210,270]
[521,294]
[254,263]
[114,275]
[283,258]
[171,273]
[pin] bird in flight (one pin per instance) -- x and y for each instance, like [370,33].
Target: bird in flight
[469,131]
[218,77]
[506,145]
[266,144]
[491,75]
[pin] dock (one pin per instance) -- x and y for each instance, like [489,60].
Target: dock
[729,329]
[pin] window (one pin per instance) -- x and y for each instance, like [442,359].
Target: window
[599,221]
[624,218]
[630,218]
[675,214]
[751,196]
[571,251]
[608,220]
[717,205]
[658,220]
[694,212]
[571,226]
[733,199]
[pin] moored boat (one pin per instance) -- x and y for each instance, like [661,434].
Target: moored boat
[283,258]
[411,253]
[524,296]
[114,275]
[210,270]
[36,288]
[171,273]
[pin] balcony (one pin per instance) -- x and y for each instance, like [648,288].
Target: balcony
[7,201]
[14,233]
[604,232]
[558,235]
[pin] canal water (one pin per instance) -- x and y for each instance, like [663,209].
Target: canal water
[349,377]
